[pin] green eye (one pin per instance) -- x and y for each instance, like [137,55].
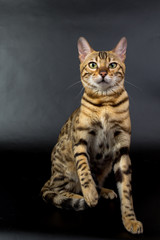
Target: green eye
[93,65]
[113,65]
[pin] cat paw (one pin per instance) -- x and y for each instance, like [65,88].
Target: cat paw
[108,193]
[133,226]
[91,196]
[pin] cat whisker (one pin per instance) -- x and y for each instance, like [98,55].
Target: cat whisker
[133,85]
[128,93]
[72,85]
[80,91]
[113,90]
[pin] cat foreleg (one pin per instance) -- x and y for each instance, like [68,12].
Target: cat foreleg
[122,171]
[107,193]
[87,183]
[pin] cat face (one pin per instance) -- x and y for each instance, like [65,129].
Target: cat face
[102,71]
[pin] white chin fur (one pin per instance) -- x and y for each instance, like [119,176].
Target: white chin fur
[103,85]
[107,87]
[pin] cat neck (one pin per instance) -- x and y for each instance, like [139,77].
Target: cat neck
[103,98]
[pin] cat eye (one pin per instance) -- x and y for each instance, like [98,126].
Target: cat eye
[113,65]
[92,65]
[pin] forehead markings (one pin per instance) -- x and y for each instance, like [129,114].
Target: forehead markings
[109,59]
[102,55]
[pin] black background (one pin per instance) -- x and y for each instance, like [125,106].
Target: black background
[39,89]
[39,64]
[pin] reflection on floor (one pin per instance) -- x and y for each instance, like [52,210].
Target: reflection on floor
[22,210]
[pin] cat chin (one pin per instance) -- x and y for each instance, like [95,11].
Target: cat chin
[104,92]
[100,91]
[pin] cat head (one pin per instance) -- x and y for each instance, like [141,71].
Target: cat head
[102,71]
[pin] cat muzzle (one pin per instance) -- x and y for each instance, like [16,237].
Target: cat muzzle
[104,80]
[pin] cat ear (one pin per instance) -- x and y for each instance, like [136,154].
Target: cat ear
[83,48]
[121,48]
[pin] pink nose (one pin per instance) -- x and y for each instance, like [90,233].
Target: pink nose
[103,73]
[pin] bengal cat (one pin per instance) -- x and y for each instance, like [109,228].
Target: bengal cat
[96,138]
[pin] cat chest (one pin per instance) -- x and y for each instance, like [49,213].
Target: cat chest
[102,148]
[103,137]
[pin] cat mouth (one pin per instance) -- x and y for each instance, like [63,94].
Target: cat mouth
[104,84]
[103,81]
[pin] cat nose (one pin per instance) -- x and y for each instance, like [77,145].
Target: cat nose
[103,73]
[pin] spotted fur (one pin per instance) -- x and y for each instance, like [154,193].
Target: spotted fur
[95,139]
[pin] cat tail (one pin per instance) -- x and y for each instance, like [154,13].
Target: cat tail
[63,199]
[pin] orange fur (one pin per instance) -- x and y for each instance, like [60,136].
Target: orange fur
[96,138]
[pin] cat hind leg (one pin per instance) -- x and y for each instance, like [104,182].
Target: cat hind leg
[63,198]
[70,201]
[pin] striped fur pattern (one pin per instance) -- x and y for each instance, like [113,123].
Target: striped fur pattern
[95,139]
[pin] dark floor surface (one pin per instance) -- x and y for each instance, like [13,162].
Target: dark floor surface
[23,214]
